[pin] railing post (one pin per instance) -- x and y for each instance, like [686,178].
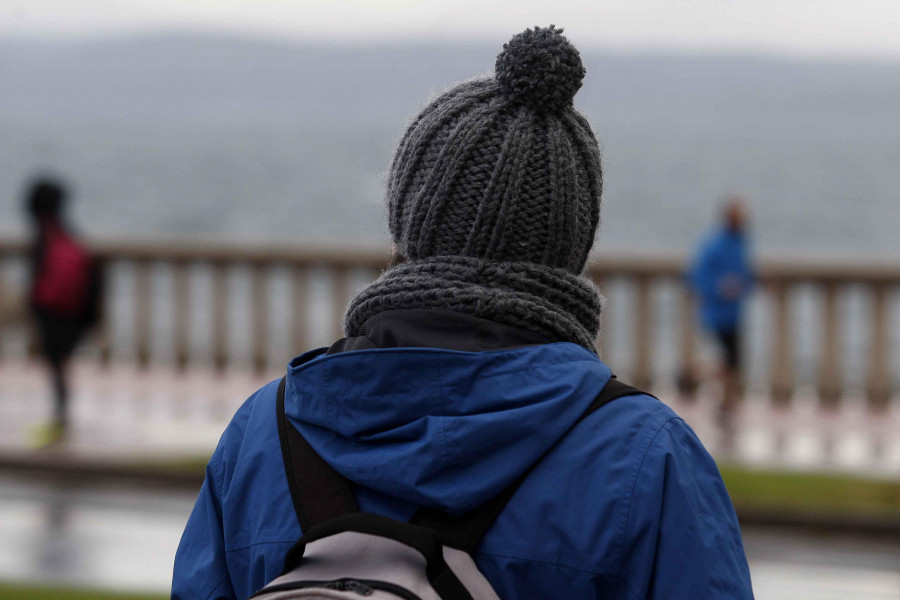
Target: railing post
[687,311]
[340,298]
[220,306]
[300,310]
[181,313]
[260,309]
[103,336]
[879,384]
[782,383]
[830,384]
[642,350]
[142,312]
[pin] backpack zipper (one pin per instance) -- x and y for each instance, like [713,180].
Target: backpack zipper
[363,587]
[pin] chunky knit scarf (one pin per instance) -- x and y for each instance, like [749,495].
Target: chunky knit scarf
[552,302]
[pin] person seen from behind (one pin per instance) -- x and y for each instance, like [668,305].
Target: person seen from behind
[469,374]
[722,277]
[64,293]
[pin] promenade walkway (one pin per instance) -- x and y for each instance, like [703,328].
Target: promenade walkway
[125,539]
[122,413]
[111,536]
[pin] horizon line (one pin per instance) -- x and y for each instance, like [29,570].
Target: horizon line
[590,47]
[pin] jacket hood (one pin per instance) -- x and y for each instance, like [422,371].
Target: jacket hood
[440,428]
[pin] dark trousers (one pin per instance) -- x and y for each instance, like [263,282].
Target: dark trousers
[730,342]
[58,339]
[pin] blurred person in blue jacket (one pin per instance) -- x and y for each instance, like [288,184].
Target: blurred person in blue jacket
[469,363]
[722,277]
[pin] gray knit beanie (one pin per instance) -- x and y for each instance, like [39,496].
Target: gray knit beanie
[494,199]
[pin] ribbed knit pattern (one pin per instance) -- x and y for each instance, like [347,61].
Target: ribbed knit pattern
[498,170]
[552,302]
[479,175]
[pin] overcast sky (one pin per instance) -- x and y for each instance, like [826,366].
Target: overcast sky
[842,28]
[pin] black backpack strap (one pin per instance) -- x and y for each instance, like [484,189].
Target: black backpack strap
[465,532]
[319,493]
[612,390]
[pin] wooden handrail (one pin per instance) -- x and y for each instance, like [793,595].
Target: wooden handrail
[375,257]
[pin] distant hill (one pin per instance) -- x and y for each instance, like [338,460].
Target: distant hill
[204,76]
[215,136]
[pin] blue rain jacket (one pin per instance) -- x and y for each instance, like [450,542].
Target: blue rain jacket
[722,261]
[627,504]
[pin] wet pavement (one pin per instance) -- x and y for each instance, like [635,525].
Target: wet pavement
[125,539]
[110,538]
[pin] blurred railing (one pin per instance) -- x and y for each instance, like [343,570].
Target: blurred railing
[313,315]
[778,279]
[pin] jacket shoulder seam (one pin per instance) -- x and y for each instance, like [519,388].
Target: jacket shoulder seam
[633,485]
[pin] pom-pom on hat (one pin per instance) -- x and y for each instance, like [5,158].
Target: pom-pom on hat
[541,68]
[494,196]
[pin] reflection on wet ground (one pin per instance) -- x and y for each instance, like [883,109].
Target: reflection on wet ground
[126,539]
[109,538]
[807,566]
